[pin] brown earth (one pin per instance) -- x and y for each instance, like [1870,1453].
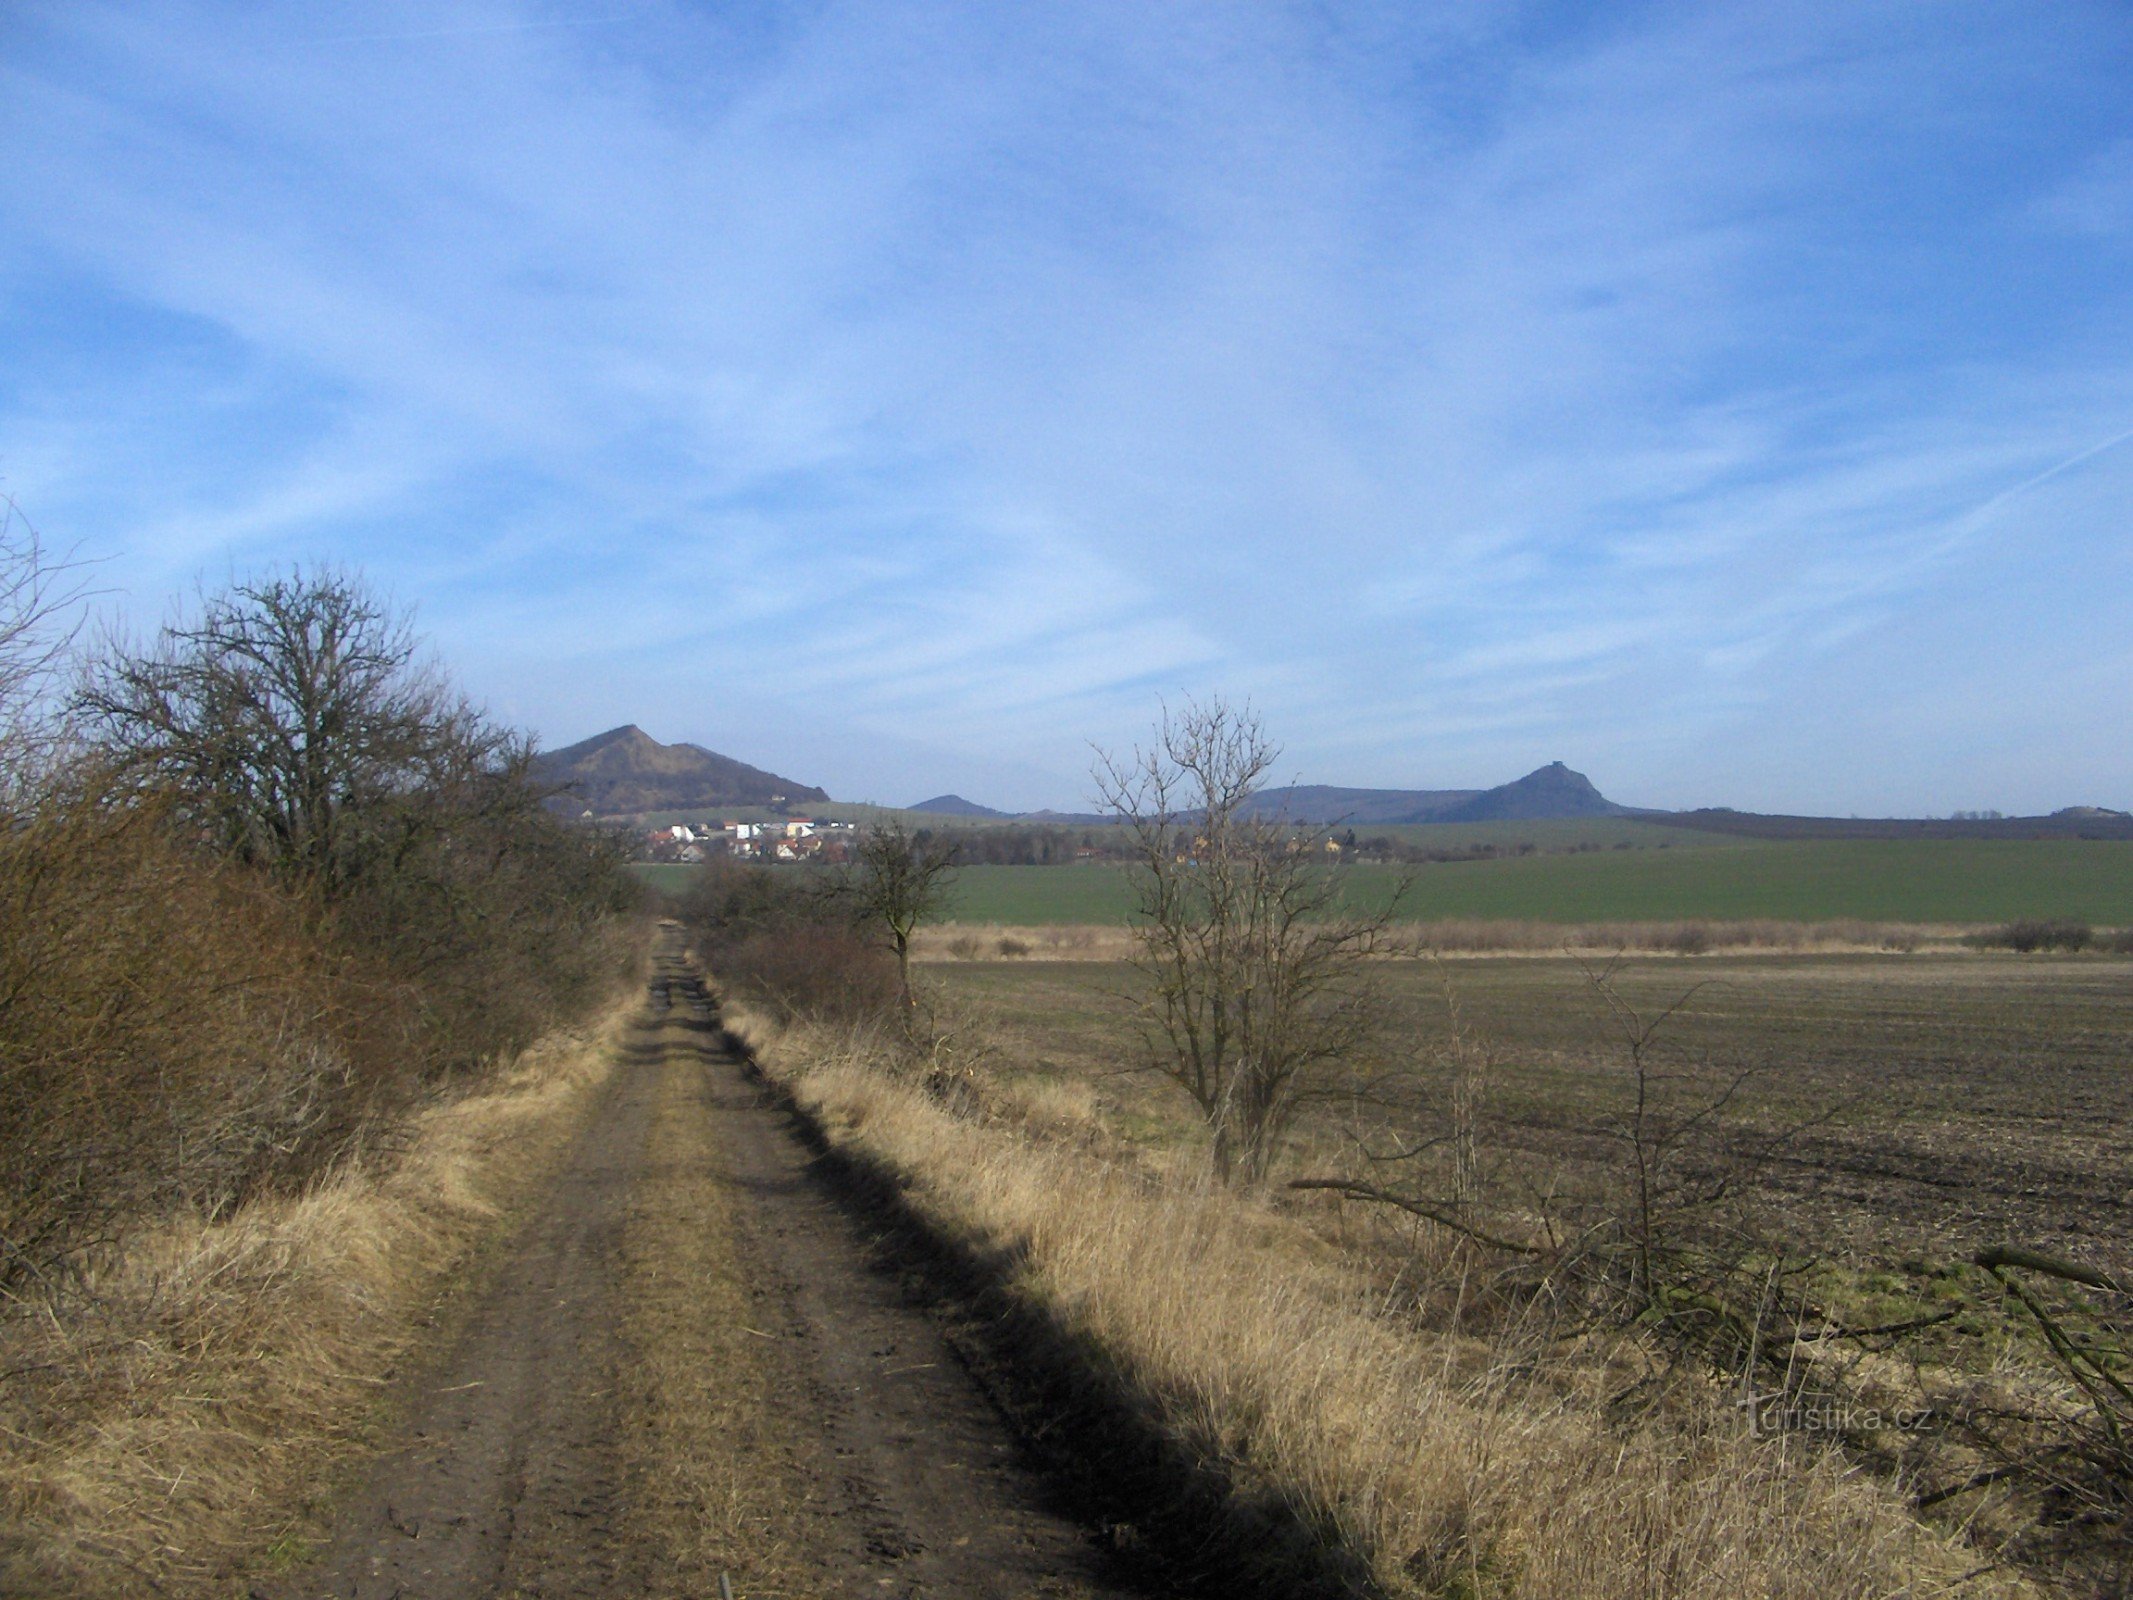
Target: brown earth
[695,1360]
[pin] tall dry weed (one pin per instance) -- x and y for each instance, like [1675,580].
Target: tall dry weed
[1486,936]
[1692,936]
[166,1036]
[165,1430]
[1449,1465]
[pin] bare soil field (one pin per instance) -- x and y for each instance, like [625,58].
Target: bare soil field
[1928,1104]
[1862,1139]
[692,1361]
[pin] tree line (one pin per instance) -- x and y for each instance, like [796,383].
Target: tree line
[1022,844]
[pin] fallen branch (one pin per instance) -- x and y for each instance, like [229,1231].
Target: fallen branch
[1364,1191]
[1881,1330]
[2007,1255]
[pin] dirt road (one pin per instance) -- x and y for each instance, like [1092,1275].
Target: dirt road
[693,1360]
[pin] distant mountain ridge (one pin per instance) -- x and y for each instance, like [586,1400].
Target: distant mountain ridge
[2070,822]
[625,770]
[1319,804]
[1547,793]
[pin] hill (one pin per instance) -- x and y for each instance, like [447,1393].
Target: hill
[625,771]
[1549,792]
[954,805]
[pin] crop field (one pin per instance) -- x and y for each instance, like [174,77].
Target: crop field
[1922,881]
[1918,1106]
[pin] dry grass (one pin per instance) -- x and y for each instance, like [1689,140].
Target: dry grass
[974,941]
[998,941]
[169,1431]
[1690,936]
[1450,1466]
[719,1478]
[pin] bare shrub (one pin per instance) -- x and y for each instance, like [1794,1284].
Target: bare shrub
[788,941]
[290,879]
[2074,1447]
[1690,939]
[39,613]
[1692,936]
[1656,1229]
[2028,935]
[820,970]
[293,727]
[207,1374]
[1012,947]
[167,1035]
[1259,984]
[175,1032]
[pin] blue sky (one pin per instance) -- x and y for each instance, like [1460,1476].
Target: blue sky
[1734,401]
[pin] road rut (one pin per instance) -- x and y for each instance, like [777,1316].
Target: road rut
[692,1360]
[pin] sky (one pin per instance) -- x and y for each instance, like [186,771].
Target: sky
[1734,401]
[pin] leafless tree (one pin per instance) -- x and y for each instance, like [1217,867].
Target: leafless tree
[293,711]
[1259,974]
[898,880]
[39,596]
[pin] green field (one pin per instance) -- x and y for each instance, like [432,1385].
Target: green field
[1952,881]
[1924,880]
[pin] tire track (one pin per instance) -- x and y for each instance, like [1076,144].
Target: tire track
[693,1360]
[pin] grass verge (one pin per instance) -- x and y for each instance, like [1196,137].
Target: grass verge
[717,1484]
[177,1428]
[1434,1465]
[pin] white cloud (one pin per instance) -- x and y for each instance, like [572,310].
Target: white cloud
[976,373]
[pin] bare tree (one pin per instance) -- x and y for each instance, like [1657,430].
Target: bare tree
[1260,981]
[39,614]
[293,711]
[898,880]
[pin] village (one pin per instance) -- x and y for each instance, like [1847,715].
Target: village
[791,839]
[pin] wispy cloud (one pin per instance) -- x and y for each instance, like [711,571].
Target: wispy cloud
[902,391]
